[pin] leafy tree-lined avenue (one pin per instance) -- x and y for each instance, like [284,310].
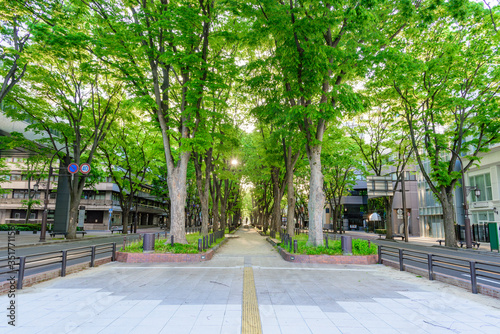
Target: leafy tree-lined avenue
[110,79]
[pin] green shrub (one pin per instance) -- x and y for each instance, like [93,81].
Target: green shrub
[21,227]
[381,231]
[164,246]
[359,247]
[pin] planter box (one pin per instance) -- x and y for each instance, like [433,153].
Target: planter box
[167,257]
[328,259]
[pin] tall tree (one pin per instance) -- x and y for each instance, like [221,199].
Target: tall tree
[73,104]
[128,154]
[162,50]
[319,48]
[446,79]
[341,164]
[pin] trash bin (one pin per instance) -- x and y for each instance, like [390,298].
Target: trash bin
[148,245]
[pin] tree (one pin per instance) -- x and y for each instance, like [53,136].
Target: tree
[163,51]
[319,48]
[73,103]
[385,148]
[341,164]
[445,78]
[128,153]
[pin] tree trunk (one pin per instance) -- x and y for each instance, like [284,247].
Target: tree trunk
[215,203]
[125,219]
[176,181]
[388,209]
[316,197]
[290,215]
[448,218]
[223,205]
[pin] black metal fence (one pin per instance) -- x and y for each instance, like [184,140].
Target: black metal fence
[19,265]
[429,262]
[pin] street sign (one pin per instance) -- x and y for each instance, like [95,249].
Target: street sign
[110,210]
[85,168]
[73,168]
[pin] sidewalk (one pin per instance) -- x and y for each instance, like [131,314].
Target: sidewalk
[422,241]
[216,297]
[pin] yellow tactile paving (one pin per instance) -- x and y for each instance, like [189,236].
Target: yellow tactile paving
[250,322]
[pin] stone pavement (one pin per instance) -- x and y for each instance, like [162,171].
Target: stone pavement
[213,297]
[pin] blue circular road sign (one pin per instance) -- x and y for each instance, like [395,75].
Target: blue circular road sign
[73,168]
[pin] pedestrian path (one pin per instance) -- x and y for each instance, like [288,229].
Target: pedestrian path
[248,288]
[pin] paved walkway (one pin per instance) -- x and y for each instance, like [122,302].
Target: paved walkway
[216,297]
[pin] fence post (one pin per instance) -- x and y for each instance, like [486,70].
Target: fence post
[326,241]
[199,245]
[379,254]
[92,256]
[473,279]
[124,243]
[113,254]
[295,246]
[63,264]
[401,266]
[20,273]
[172,240]
[429,265]
[291,243]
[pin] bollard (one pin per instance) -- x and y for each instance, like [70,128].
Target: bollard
[199,245]
[326,241]
[295,246]
[429,267]
[401,265]
[148,245]
[92,256]
[369,244]
[172,240]
[379,254]
[473,279]
[113,253]
[346,242]
[124,243]
[63,263]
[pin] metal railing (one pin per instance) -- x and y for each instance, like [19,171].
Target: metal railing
[22,263]
[473,268]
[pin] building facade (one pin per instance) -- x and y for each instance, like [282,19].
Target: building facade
[484,175]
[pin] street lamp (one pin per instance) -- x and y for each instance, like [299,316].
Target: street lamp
[465,192]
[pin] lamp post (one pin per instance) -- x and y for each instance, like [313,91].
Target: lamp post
[465,192]
[46,200]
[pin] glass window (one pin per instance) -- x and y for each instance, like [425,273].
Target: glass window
[20,194]
[483,182]
[15,177]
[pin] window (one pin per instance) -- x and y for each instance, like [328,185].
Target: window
[20,194]
[483,182]
[15,177]
[482,217]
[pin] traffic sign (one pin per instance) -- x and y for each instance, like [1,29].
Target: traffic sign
[85,168]
[73,168]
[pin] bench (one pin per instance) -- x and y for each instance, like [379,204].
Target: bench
[116,229]
[398,236]
[474,244]
[53,234]
[462,243]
